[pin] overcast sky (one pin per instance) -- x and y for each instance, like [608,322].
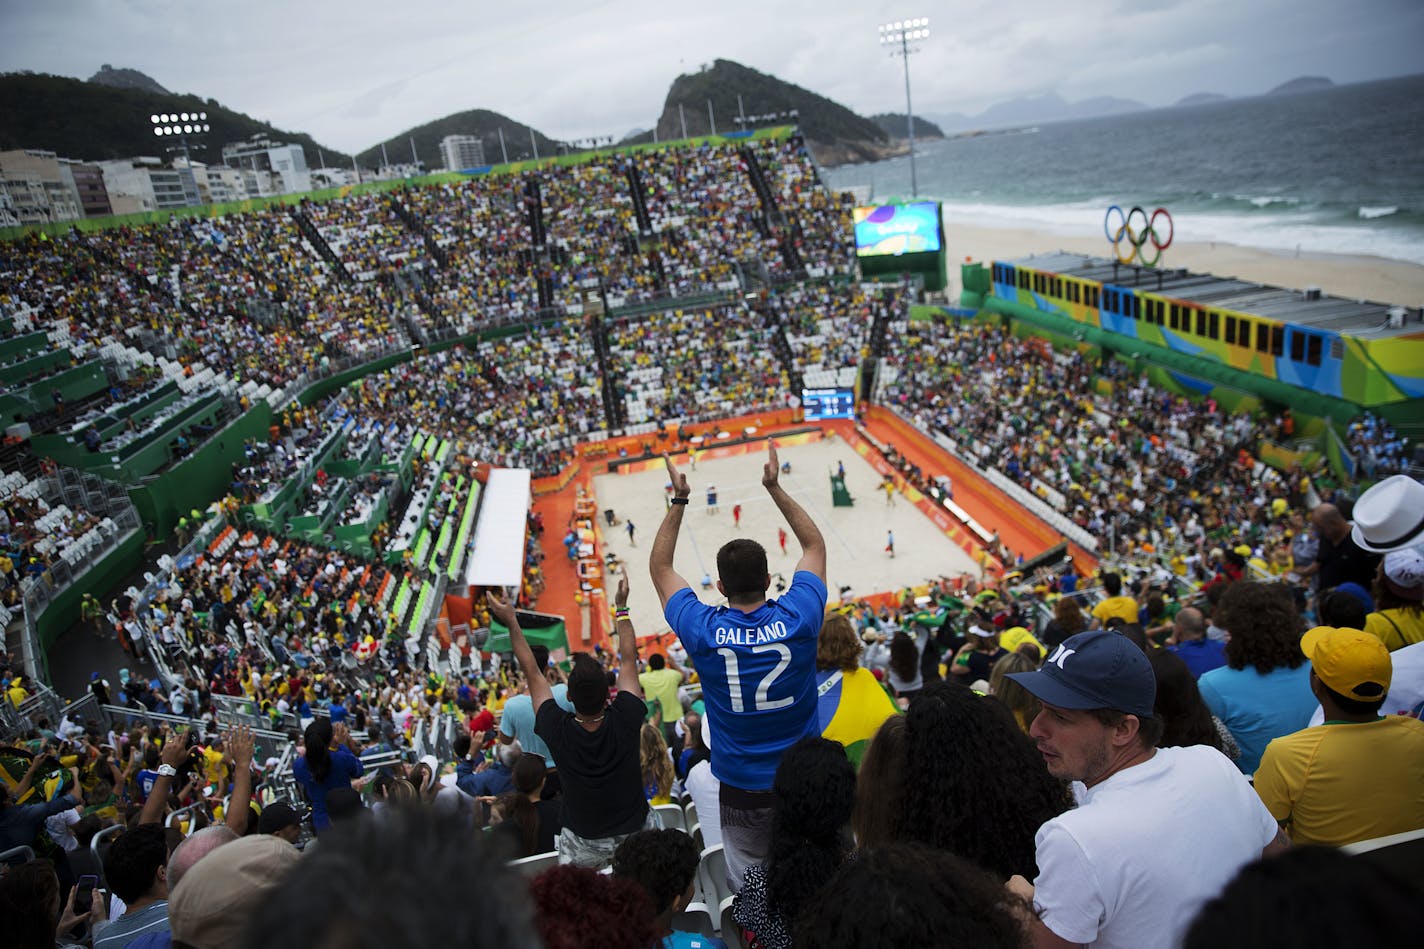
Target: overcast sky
[356,72]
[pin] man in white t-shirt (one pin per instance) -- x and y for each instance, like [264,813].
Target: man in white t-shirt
[1157,831]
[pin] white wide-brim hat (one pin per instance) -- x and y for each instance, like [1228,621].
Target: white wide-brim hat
[1390,516]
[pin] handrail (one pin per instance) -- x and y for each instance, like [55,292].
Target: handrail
[101,836]
[8,856]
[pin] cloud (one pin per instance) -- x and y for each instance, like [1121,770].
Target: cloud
[357,72]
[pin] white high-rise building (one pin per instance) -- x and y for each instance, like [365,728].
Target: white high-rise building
[462,151]
[287,164]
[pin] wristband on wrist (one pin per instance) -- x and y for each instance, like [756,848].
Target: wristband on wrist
[167,771]
[677,501]
[620,613]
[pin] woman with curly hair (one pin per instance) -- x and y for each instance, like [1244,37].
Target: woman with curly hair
[813,795]
[1263,691]
[576,907]
[1185,718]
[1024,705]
[975,784]
[851,704]
[907,897]
[656,764]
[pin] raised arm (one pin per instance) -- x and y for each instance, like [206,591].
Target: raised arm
[808,535]
[239,745]
[503,610]
[627,641]
[666,580]
[175,749]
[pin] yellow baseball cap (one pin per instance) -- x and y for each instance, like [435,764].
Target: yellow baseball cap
[1353,663]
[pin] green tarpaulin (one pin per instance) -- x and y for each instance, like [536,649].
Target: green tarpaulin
[539,628]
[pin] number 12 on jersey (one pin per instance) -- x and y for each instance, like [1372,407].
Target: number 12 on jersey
[761,702]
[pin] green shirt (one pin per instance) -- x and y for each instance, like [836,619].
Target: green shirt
[660,686]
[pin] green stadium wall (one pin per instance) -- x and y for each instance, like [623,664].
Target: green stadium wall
[201,478]
[63,610]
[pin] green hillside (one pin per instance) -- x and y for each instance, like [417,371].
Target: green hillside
[481,122]
[93,122]
[821,119]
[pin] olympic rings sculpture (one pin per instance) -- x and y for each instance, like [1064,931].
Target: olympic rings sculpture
[1137,235]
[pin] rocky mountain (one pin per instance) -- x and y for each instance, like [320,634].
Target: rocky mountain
[122,78]
[105,121]
[835,133]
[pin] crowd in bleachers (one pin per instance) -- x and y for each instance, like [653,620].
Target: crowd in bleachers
[518,401]
[1134,465]
[696,363]
[1378,449]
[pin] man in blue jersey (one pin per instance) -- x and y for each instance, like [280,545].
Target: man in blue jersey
[756,658]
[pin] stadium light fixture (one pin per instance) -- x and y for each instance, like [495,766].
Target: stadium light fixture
[182,124]
[897,37]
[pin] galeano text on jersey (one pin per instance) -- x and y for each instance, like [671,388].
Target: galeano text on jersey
[754,636]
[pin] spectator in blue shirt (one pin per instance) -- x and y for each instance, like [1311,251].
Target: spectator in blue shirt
[479,779]
[1190,642]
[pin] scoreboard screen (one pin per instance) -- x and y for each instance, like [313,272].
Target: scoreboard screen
[828,403]
[894,229]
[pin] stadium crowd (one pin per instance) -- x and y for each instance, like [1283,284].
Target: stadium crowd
[1141,469]
[941,769]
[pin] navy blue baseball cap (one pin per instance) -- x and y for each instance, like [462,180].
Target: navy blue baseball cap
[1096,669]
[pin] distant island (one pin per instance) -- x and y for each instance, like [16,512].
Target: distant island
[1200,98]
[1302,84]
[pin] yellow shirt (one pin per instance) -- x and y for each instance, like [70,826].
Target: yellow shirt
[1342,783]
[213,766]
[1122,607]
[1396,628]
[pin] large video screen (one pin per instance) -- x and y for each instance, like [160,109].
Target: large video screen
[828,403]
[894,229]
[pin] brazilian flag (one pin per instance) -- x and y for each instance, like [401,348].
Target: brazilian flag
[852,706]
[47,785]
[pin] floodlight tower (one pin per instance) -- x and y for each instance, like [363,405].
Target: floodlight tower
[897,37]
[182,124]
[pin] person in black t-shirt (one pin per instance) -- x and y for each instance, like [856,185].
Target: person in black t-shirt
[1339,559]
[596,745]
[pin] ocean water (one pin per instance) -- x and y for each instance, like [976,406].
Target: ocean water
[1337,171]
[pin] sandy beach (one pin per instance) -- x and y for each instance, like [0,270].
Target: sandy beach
[1356,278]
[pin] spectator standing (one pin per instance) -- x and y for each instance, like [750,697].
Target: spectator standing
[1113,873]
[756,659]
[1339,559]
[517,720]
[597,743]
[331,760]
[851,705]
[660,684]
[1359,775]
[1263,691]
[1115,605]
